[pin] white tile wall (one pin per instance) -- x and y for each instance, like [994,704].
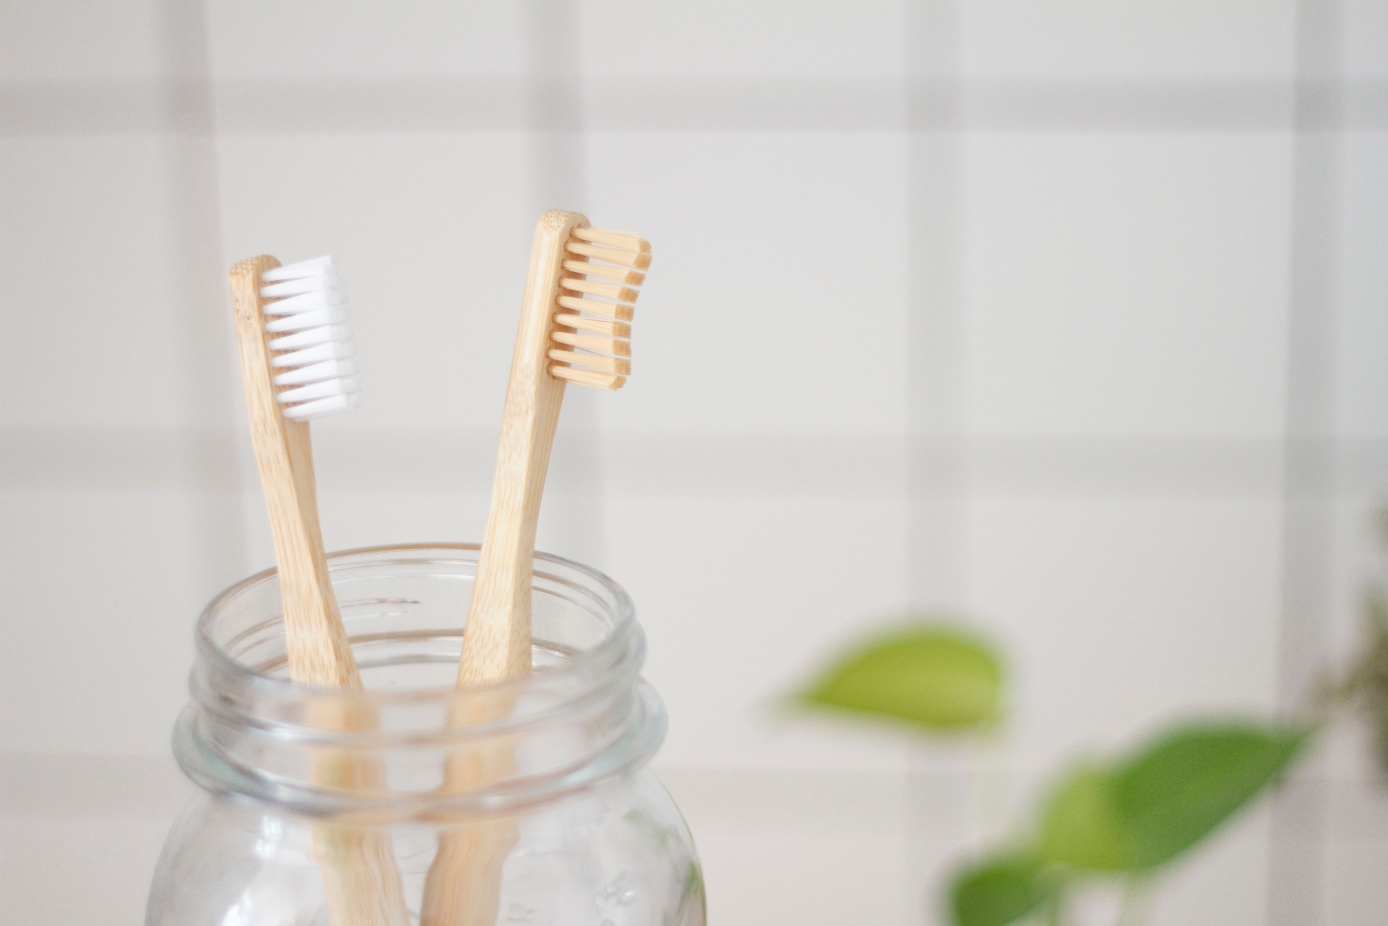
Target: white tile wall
[1149,40]
[822,824]
[731,40]
[1366,31]
[1353,892]
[1127,285]
[1360,319]
[114,884]
[100,593]
[1121,613]
[720,343]
[119,40]
[1030,364]
[87,288]
[255,40]
[96,823]
[754,592]
[765,875]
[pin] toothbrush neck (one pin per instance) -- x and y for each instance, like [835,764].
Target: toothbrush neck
[496,645]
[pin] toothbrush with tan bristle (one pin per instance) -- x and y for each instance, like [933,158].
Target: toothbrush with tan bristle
[574,328]
[297,363]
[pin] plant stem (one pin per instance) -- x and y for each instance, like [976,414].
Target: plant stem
[989,785]
[1055,913]
[1133,909]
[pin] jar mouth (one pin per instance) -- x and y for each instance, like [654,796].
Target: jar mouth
[583,712]
[587,661]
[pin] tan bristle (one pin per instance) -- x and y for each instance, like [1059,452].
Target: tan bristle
[589,378]
[598,289]
[595,362]
[638,259]
[605,290]
[625,241]
[595,344]
[612,310]
[596,325]
[615,274]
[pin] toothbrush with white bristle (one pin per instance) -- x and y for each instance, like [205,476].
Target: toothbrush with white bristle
[297,364]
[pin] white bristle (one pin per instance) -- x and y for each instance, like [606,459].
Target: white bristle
[311,318]
[315,372]
[306,305]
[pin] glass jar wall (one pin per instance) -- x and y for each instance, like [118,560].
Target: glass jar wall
[329,807]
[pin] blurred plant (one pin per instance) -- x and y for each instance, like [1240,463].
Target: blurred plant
[1124,818]
[1120,820]
[1363,686]
[935,677]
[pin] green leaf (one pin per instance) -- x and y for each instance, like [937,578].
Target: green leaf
[1173,793]
[930,676]
[1165,798]
[1002,890]
[1080,825]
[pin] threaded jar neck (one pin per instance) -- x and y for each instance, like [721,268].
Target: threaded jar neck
[380,753]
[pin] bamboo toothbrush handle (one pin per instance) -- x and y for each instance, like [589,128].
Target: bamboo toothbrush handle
[463,887]
[497,643]
[564,335]
[362,884]
[317,647]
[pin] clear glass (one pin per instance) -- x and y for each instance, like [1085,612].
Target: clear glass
[581,831]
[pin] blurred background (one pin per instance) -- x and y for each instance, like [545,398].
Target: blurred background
[1066,319]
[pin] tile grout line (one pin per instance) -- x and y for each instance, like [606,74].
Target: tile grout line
[936,411]
[77,107]
[1298,845]
[556,129]
[937,427]
[208,375]
[47,459]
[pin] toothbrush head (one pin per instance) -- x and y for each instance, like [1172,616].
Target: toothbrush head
[590,340]
[310,340]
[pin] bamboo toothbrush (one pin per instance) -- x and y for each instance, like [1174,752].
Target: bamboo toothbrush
[297,363]
[569,332]
[574,328]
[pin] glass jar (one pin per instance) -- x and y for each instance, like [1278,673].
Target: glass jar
[299,809]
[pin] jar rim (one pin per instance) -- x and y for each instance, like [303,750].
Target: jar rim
[255,734]
[585,662]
